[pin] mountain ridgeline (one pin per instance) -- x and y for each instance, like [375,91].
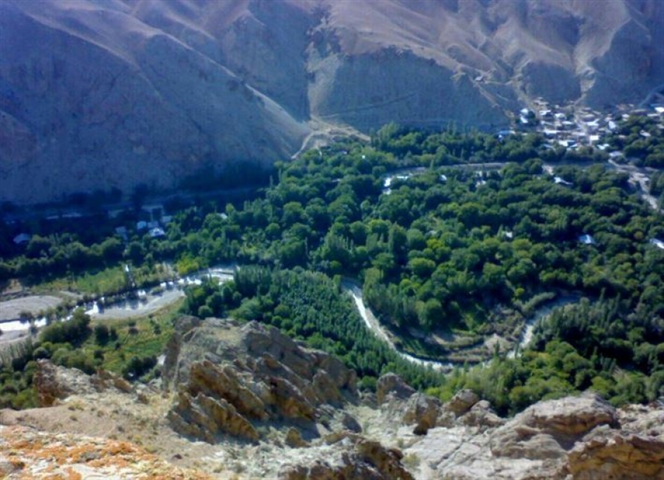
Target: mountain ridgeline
[129,93]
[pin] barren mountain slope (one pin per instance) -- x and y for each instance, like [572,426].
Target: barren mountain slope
[122,92]
[94,98]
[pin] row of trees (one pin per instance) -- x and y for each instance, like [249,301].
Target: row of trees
[308,306]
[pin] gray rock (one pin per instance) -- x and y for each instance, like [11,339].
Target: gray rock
[462,401]
[394,386]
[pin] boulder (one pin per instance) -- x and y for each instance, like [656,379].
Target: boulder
[422,410]
[548,429]
[607,453]
[358,459]
[481,415]
[393,385]
[55,383]
[569,417]
[386,460]
[462,401]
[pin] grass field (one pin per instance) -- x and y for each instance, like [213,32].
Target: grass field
[111,279]
[103,282]
[142,337]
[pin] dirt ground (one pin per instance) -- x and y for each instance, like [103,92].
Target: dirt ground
[10,309]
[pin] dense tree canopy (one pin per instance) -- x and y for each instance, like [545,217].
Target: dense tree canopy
[443,230]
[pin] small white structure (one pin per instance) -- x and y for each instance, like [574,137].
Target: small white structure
[157,232]
[657,242]
[22,238]
[562,181]
[587,239]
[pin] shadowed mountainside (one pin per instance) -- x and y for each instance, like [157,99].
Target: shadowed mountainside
[96,95]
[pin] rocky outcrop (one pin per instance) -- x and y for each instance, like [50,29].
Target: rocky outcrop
[54,383]
[117,94]
[360,459]
[231,378]
[29,454]
[581,438]
[606,453]
[549,429]
[267,406]
[633,452]
[206,417]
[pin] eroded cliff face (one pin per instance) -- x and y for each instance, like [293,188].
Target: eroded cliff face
[232,380]
[96,95]
[266,407]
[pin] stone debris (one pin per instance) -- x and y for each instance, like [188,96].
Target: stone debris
[27,454]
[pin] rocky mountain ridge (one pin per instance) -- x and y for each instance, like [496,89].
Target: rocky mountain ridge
[267,407]
[117,94]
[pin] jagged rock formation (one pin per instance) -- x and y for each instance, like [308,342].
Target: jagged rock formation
[267,407]
[95,95]
[230,378]
[636,451]
[574,437]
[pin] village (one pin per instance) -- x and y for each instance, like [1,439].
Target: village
[574,127]
[565,126]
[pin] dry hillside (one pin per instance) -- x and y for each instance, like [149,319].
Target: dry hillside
[123,92]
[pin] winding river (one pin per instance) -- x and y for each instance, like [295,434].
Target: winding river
[145,303]
[372,323]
